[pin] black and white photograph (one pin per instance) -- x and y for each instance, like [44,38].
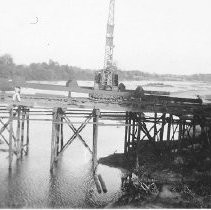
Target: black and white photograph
[105,104]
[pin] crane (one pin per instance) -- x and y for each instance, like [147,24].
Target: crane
[107,79]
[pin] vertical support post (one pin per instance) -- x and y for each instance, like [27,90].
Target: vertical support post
[126,134]
[202,121]
[96,113]
[138,140]
[139,125]
[194,130]
[27,132]
[183,129]
[155,126]
[57,126]
[139,132]
[169,127]
[10,138]
[22,131]
[62,135]
[53,140]
[129,133]
[133,132]
[18,133]
[180,132]
[162,126]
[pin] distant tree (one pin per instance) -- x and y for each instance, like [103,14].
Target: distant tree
[6,59]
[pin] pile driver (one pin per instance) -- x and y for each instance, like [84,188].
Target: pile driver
[107,78]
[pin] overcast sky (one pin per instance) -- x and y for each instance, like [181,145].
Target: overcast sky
[162,36]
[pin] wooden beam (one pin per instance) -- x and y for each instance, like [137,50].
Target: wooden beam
[22,132]
[96,114]
[162,126]
[169,128]
[10,138]
[62,134]
[27,132]
[53,141]
[18,140]
[126,134]
[77,134]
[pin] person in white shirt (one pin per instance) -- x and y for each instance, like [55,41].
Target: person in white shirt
[16,97]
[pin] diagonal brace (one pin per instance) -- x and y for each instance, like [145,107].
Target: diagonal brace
[76,133]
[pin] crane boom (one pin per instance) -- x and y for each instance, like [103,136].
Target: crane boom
[106,79]
[108,60]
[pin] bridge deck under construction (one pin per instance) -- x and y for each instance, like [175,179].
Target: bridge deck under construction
[156,119]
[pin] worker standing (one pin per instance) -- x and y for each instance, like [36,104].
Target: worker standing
[16,96]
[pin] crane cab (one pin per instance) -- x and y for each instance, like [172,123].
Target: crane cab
[106,80]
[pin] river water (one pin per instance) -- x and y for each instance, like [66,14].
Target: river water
[29,184]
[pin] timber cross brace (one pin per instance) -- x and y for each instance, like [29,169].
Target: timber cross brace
[176,131]
[18,143]
[58,144]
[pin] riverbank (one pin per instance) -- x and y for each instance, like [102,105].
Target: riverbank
[182,179]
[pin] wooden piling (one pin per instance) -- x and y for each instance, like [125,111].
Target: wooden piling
[104,188]
[57,128]
[126,134]
[62,134]
[169,127]
[53,141]
[22,131]
[129,133]
[155,126]
[27,132]
[96,113]
[10,138]
[162,126]
[133,132]
[97,183]
[18,134]
[194,130]
[180,133]
[183,128]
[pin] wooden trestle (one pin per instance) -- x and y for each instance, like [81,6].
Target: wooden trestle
[17,142]
[156,127]
[57,142]
[175,131]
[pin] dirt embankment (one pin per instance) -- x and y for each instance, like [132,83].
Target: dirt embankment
[180,179]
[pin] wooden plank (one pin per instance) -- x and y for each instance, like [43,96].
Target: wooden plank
[81,89]
[130,105]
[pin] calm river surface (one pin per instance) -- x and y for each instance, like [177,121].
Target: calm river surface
[31,185]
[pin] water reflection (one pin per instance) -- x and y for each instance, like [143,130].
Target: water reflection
[31,185]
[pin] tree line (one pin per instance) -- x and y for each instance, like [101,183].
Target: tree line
[54,71]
